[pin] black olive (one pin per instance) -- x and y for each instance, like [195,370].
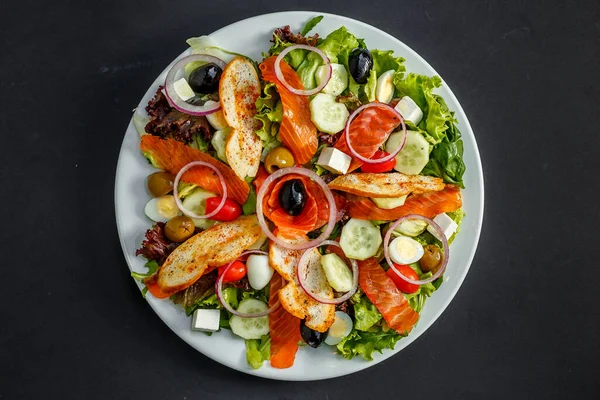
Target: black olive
[360,63]
[311,337]
[205,79]
[292,197]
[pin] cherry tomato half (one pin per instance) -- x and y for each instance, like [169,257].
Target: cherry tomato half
[236,272]
[230,211]
[407,271]
[381,167]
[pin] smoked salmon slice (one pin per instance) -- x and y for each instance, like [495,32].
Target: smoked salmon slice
[284,327]
[171,155]
[368,132]
[386,297]
[426,204]
[297,132]
[314,215]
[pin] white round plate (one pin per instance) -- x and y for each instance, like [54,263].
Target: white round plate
[251,37]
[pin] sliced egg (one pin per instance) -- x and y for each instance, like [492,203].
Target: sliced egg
[162,209]
[259,271]
[404,250]
[341,327]
[385,87]
[217,118]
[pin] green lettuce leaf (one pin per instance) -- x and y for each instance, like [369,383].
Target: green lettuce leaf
[385,61]
[199,143]
[338,42]
[365,313]
[249,206]
[366,343]
[258,351]
[269,111]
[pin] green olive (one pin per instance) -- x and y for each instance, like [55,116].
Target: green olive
[179,229]
[160,183]
[279,157]
[432,258]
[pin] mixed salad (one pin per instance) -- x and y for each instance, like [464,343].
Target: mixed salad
[306,199]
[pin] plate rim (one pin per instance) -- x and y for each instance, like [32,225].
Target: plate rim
[267,373]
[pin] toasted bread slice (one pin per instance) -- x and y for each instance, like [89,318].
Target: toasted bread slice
[283,260]
[243,150]
[216,246]
[386,185]
[239,87]
[294,299]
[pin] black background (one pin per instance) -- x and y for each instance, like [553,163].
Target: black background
[524,324]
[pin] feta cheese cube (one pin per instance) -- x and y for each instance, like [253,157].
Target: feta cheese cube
[446,223]
[206,320]
[409,110]
[334,160]
[183,89]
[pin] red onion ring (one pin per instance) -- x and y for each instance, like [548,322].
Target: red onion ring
[176,191]
[281,78]
[442,238]
[311,175]
[377,160]
[302,263]
[225,304]
[174,98]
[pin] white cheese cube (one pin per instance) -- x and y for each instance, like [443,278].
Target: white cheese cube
[334,160]
[446,223]
[206,320]
[183,89]
[409,110]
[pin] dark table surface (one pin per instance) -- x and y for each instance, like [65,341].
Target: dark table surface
[522,326]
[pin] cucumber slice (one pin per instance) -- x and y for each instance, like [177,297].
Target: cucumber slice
[411,227]
[219,142]
[337,272]
[389,203]
[250,328]
[196,203]
[328,115]
[360,239]
[414,155]
[338,81]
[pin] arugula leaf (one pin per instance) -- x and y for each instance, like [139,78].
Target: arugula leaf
[152,268]
[258,351]
[311,24]
[366,343]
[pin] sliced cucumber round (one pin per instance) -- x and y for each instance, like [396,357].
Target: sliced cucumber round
[337,272]
[389,203]
[414,155]
[411,227]
[360,239]
[338,81]
[196,203]
[328,115]
[250,328]
[219,142]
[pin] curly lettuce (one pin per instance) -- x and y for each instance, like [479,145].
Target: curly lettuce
[269,111]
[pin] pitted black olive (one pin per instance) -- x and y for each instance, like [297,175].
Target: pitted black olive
[311,337]
[292,197]
[205,79]
[360,63]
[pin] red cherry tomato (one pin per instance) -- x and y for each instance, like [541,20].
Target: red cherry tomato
[381,167]
[236,272]
[407,271]
[230,211]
